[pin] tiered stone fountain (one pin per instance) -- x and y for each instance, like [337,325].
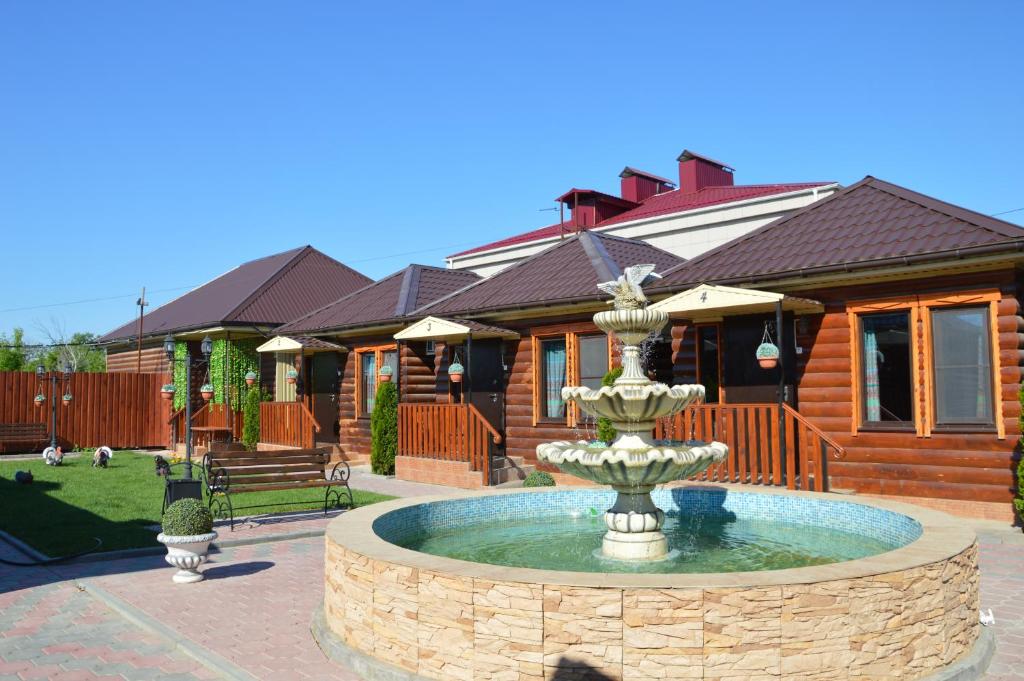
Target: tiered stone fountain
[634,463]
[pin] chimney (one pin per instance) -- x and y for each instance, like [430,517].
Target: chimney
[638,186]
[697,172]
[589,208]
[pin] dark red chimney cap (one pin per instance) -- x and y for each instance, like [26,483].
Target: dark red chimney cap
[687,155]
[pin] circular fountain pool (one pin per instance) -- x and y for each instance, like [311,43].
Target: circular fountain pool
[708,529]
[766,584]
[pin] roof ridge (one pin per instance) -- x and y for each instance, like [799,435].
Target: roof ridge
[519,263]
[606,268]
[765,228]
[274,276]
[946,208]
[345,297]
[410,287]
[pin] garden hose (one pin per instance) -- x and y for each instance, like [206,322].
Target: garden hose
[51,561]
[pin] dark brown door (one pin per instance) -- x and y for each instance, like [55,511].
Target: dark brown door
[486,386]
[325,376]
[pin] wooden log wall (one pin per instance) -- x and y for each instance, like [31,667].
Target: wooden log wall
[115,409]
[974,466]
[153,360]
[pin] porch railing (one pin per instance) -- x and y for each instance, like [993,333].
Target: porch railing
[290,424]
[208,415]
[755,451]
[447,432]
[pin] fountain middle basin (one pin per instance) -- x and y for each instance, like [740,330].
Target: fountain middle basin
[901,599]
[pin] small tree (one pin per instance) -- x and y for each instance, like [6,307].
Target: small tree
[605,430]
[384,430]
[251,418]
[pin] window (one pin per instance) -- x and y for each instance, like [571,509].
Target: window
[927,362]
[368,363]
[962,360]
[593,360]
[553,378]
[886,384]
[368,382]
[568,358]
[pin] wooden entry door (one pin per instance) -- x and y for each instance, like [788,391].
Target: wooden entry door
[486,385]
[326,384]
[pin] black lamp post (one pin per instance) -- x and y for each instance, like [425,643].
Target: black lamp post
[207,348]
[54,378]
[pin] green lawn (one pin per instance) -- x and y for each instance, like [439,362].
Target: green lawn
[66,506]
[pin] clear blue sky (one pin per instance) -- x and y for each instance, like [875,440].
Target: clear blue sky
[160,144]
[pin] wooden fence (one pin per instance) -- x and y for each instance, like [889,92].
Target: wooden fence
[751,432]
[116,410]
[447,432]
[290,424]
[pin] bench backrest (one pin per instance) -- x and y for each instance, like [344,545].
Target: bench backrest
[22,430]
[271,467]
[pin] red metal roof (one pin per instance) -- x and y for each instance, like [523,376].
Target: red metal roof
[666,203]
[629,170]
[687,154]
[860,226]
[266,291]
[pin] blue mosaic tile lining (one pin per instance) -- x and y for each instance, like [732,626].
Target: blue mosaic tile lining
[892,528]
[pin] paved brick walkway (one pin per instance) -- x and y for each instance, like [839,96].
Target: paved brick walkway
[253,612]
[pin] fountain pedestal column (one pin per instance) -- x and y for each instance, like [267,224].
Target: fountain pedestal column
[634,526]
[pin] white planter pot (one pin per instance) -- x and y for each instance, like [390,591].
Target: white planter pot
[186,552]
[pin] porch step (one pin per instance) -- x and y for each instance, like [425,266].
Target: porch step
[509,469]
[227,447]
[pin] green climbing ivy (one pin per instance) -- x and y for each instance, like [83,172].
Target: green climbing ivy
[229,363]
[180,349]
[605,430]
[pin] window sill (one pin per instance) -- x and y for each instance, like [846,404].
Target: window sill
[966,428]
[879,428]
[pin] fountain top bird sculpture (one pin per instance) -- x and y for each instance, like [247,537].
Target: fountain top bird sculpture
[627,291]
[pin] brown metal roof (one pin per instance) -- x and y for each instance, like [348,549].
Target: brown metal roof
[565,272]
[393,297]
[860,226]
[267,291]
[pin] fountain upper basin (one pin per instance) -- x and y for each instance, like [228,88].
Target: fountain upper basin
[627,467]
[633,407]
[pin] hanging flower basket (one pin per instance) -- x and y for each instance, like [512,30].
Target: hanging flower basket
[292,376]
[206,391]
[767,355]
[385,374]
[250,377]
[40,400]
[455,372]
[167,392]
[66,400]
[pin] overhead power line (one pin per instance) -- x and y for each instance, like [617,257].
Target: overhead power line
[1015,210]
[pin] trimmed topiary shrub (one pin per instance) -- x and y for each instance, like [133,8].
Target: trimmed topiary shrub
[384,430]
[605,430]
[187,517]
[539,479]
[251,418]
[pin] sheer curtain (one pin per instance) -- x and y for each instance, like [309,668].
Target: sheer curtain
[554,375]
[872,400]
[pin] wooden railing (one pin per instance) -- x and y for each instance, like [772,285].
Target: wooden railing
[751,431]
[287,423]
[447,432]
[207,415]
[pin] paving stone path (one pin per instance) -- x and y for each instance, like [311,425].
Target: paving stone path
[125,619]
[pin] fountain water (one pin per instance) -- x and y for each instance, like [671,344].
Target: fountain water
[634,463]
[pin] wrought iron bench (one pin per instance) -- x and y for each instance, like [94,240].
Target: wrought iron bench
[28,433]
[236,472]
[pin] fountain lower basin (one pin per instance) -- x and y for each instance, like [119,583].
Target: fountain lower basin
[908,611]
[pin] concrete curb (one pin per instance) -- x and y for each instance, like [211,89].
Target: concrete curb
[207,658]
[22,547]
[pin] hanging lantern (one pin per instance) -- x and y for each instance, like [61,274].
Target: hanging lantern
[385,373]
[250,377]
